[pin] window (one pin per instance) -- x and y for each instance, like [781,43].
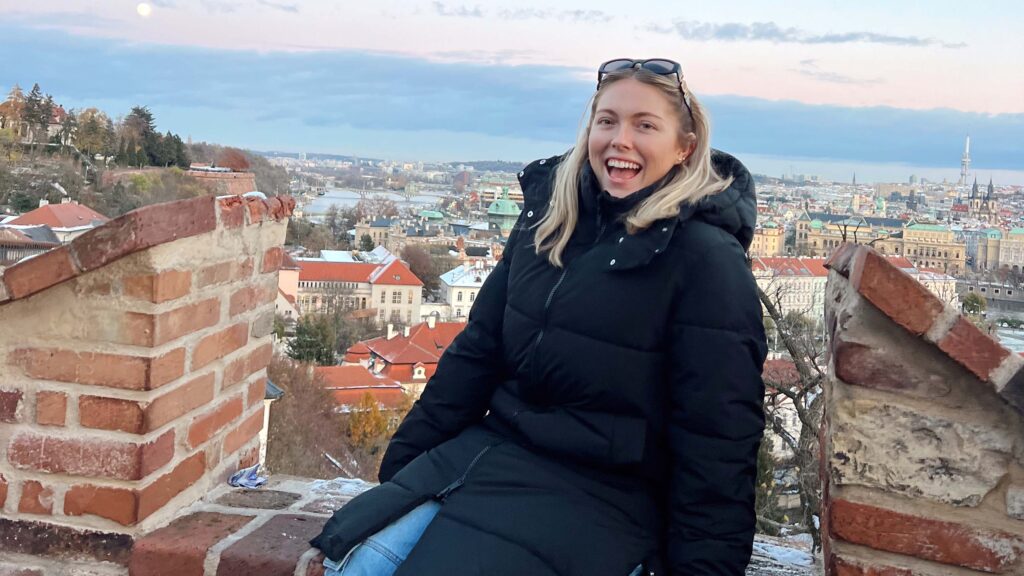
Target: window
[458,312]
[396,297]
[410,296]
[458,296]
[408,316]
[383,295]
[1009,292]
[380,315]
[983,289]
[419,373]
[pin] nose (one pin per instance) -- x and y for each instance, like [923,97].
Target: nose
[623,138]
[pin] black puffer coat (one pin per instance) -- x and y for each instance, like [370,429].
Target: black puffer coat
[593,417]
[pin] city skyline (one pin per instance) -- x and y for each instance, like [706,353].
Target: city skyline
[472,81]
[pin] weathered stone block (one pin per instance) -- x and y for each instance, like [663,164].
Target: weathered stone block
[915,454]
[1015,501]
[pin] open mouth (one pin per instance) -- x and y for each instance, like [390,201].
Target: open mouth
[621,170]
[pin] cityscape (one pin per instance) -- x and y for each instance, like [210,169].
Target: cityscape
[231,261]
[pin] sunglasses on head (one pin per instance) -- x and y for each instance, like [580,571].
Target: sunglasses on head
[659,66]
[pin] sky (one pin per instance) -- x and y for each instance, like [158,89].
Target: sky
[821,83]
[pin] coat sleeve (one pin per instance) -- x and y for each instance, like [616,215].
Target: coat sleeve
[717,352]
[458,394]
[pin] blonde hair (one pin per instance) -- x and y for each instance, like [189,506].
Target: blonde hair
[694,180]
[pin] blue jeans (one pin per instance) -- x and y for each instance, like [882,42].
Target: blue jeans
[382,553]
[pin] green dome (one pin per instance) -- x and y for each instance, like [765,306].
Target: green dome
[503,206]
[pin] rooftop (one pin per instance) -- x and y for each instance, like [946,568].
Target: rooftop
[60,216]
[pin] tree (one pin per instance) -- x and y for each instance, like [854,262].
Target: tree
[12,110]
[33,112]
[766,494]
[367,425]
[802,393]
[314,340]
[422,265]
[22,202]
[366,243]
[68,128]
[305,427]
[974,304]
[233,158]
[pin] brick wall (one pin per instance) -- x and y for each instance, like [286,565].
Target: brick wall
[226,182]
[923,434]
[132,371]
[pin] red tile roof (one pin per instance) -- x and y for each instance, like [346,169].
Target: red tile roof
[422,345]
[351,376]
[312,271]
[387,398]
[395,273]
[288,263]
[60,216]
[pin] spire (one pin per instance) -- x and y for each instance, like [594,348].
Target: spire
[854,178]
[974,189]
[988,192]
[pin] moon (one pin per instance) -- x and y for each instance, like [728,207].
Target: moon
[144,9]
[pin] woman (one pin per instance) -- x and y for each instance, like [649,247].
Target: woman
[601,411]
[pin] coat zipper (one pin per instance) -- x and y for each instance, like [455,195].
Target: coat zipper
[551,296]
[443,494]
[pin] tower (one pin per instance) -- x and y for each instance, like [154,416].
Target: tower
[965,161]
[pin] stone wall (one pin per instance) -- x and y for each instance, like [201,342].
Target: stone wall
[132,374]
[226,182]
[923,434]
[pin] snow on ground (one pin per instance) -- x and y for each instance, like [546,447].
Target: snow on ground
[782,557]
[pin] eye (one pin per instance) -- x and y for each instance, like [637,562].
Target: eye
[603,121]
[648,126]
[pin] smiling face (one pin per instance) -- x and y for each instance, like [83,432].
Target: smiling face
[634,137]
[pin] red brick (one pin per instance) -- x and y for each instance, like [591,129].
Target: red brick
[185,320]
[35,499]
[215,274]
[256,393]
[111,414]
[144,228]
[245,431]
[232,211]
[90,457]
[3,491]
[220,344]
[205,426]
[180,401]
[894,292]
[10,401]
[883,369]
[180,548]
[272,260]
[166,368]
[51,408]
[271,549]
[257,209]
[969,346]
[184,475]
[157,453]
[239,369]
[117,504]
[935,540]
[843,567]
[39,273]
[281,207]
[243,300]
[161,287]
[91,368]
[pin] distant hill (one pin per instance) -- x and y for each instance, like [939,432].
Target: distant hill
[492,165]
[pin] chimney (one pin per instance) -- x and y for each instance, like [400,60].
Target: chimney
[431,321]
[391,331]
[152,395]
[405,331]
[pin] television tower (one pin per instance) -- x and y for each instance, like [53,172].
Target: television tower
[965,161]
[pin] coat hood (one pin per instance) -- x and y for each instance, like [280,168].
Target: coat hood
[733,209]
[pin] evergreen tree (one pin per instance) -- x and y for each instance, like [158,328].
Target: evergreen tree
[765,503]
[181,156]
[314,340]
[33,111]
[366,243]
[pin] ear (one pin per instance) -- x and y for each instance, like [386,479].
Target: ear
[687,144]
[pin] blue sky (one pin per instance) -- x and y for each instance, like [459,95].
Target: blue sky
[460,81]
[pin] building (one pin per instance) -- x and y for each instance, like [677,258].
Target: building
[818,233]
[460,286]
[349,385]
[795,285]
[769,240]
[409,356]
[983,207]
[377,230]
[68,221]
[22,242]
[982,248]
[503,213]
[390,288]
[930,246]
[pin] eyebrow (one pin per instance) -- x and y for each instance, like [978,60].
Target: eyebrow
[637,115]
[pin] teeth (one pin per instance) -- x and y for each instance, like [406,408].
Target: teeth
[613,163]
